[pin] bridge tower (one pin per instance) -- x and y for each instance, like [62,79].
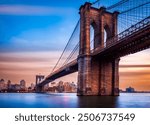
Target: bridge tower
[39,78]
[97,76]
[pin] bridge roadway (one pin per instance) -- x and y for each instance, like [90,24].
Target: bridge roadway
[134,39]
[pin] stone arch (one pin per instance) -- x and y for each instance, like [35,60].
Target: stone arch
[108,32]
[92,33]
[94,26]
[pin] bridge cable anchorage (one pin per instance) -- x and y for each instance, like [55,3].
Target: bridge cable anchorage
[66,46]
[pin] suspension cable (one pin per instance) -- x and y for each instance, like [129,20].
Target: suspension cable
[66,46]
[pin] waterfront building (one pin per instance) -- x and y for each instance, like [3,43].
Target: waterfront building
[73,87]
[130,89]
[8,84]
[22,85]
[32,86]
[46,87]
[60,87]
[3,85]
[67,87]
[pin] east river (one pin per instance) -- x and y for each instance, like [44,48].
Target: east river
[70,100]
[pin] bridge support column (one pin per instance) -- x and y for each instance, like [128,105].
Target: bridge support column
[84,75]
[115,78]
[84,58]
[105,77]
[109,77]
[40,89]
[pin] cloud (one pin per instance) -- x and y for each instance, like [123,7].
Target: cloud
[134,66]
[25,65]
[30,57]
[135,74]
[33,10]
[138,58]
[19,44]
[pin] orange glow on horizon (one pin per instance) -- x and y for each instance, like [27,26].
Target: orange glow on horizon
[134,69]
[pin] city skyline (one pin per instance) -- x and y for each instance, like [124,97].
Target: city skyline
[29,43]
[6,86]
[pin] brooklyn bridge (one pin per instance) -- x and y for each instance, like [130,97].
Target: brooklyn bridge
[100,38]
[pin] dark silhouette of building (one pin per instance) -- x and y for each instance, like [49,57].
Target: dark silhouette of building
[130,90]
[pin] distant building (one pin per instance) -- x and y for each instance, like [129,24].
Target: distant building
[73,87]
[46,87]
[130,89]
[18,87]
[8,84]
[23,85]
[32,86]
[52,87]
[70,87]
[3,85]
[2,81]
[15,88]
[120,90]
[60,87]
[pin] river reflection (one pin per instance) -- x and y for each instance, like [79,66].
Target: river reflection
[70,100]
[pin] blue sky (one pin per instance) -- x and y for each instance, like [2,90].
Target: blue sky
[36,26]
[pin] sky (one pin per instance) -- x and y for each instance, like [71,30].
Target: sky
[34,33]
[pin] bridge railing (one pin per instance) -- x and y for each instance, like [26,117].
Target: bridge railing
[134,28]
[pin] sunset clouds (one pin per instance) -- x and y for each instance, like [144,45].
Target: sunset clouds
[25,65]
[134,69]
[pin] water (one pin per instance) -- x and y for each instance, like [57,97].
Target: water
[70,100]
